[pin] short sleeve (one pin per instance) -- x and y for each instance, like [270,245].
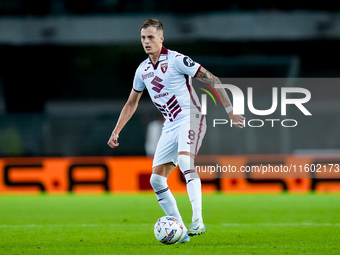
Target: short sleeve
[138,84]
[186,65]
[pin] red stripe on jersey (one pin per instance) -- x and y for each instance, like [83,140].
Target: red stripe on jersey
[199,134]
[176,113]
[173,104]
[197,71]
[171,99]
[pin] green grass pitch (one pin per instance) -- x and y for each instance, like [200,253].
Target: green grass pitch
[123,224]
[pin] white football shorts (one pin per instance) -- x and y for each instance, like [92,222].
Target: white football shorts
[185,136]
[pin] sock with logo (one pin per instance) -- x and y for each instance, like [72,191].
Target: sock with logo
[165,198]
[193,181]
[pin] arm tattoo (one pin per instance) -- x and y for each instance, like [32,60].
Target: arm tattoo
[207,77]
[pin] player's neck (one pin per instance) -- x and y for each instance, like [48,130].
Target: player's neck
[155,57]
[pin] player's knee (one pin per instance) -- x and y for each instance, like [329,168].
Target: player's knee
[158,182]
[185,162]
[186,165]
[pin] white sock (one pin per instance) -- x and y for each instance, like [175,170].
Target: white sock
[186,165]
[165,198]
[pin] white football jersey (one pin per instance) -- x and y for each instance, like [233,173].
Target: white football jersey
[169,85]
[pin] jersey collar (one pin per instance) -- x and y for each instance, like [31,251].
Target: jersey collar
[162,57]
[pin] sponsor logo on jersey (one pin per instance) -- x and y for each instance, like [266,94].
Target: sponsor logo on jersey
[148,75]
[164,67]
[157,86]
[146,68]
[161,95]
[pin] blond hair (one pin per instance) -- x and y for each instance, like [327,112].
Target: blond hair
[152,23]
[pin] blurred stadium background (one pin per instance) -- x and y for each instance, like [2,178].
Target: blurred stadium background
[66,70]
[66,67]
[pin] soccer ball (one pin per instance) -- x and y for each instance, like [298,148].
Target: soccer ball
[168,230]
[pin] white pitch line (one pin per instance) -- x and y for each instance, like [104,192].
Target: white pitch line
[70,225]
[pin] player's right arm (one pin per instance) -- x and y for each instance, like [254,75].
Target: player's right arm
[125,115]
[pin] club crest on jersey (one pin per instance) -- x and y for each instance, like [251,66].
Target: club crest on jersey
[164,67]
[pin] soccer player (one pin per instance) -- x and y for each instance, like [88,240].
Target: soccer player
[165,74]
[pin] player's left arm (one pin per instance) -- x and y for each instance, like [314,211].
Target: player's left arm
[205,76]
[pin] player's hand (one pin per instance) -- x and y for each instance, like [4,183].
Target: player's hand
[113,141]
[238,120]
